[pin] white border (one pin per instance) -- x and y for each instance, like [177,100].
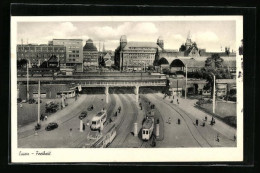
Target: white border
[128,154]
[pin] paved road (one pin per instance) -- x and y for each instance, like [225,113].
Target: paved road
[67,118]
[187,134]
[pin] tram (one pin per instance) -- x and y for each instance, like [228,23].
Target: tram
[98,120]
[107,138]
[147,128]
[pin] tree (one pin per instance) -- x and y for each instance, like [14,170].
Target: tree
[21,63]
[182,48]
[214,61]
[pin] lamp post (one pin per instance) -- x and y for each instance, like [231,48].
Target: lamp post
[27,68]
[186,82]
[214,92]
[39,101]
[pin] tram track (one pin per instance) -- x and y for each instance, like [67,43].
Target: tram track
[186,123]
[60,123]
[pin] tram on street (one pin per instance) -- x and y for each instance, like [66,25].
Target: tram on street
[98,120]
[147,128]
[107,138]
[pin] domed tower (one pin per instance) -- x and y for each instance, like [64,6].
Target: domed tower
[123,41]
[89,46]
[160,42]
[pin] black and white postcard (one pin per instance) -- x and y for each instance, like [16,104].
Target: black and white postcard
[126,89]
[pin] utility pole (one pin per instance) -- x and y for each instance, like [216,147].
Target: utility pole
[27,81]
[39,102]
[214,92]
[186,82]
[177,89]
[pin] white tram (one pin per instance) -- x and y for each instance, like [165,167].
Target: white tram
[107,139]
[147,129]
[98,120]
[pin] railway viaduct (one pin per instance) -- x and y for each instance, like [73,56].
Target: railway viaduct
[135,82]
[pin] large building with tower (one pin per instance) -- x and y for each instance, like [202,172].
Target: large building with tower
[137,56]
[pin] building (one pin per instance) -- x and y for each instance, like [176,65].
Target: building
[189,54]
[136,56]
[107,60]
[37,54]
[74,52]
[90,55]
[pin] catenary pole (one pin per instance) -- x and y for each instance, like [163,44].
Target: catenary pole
[39,101]
[186,82]
[214,93]
[27,68]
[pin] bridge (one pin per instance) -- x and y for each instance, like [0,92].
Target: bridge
[99,81]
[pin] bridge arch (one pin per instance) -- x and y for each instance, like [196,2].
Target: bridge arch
[177,63]
[163,61]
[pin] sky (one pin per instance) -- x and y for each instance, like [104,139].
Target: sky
[210,35]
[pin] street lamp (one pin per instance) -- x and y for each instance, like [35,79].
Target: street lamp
[214,90]
[186,82]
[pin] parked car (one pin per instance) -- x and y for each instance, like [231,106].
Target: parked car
[90,108]
[31,101]
[36,102]
[83,115]
[51,126]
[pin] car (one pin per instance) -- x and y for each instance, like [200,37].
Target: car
[36,102]
[83,115]
[90,108]
[51,126]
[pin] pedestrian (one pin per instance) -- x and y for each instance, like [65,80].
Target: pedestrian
[179,121]
[46,117]
[173,97]
[169,120]
[83,126]
[141,107]
[235,137]
[70,132]
[203,124]
[197,122]
[217,138]
[42,117]
[115,114]
[206,118]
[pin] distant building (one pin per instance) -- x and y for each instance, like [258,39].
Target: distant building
[136,55]
[74,52]
[107,59]
[90,55]
[37,54]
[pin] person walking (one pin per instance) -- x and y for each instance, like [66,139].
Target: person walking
[197,122]
[70,132]
[46,117]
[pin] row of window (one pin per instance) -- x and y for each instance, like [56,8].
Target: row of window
[38,55]
[73,51]
[73,55]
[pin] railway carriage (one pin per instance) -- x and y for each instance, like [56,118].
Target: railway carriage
[147,129]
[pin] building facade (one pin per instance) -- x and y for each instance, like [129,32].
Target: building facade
[90,55]
[74,52]
[37,54]
[136,56]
